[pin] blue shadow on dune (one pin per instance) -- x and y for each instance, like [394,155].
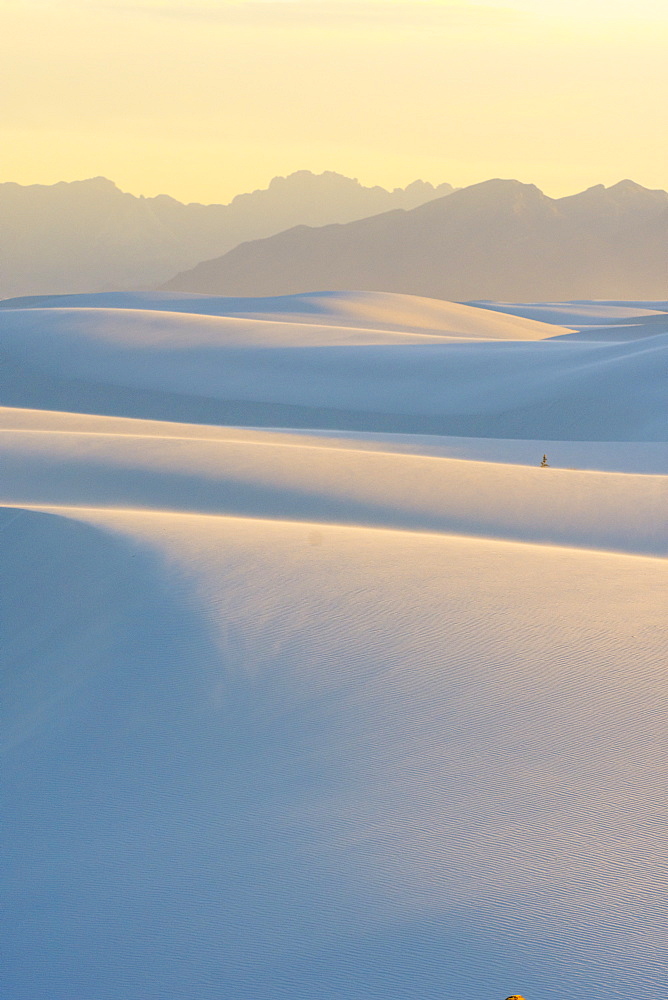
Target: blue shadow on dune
[152,789]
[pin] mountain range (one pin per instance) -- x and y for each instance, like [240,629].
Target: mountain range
[89,236]
[500,239]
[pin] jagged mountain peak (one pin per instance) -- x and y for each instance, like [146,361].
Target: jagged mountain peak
[89,235]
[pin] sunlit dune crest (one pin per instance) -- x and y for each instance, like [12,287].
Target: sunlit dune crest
[319,682]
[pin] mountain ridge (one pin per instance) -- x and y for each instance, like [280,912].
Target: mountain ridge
[89,235]
[500,239]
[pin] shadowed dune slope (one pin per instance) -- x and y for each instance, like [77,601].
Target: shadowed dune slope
[285,760]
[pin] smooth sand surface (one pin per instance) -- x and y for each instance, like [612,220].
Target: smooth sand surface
[330,711]
[359,376]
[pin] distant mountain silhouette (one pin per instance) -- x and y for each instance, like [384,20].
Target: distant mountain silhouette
[497,240]
[90,236]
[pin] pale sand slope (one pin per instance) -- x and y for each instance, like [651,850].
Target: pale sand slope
[297,714]
[607,456]
[265,759]
[95,461]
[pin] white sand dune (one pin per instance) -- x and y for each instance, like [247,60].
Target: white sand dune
[276,372]
[336,709]
[593,320]
[384,311]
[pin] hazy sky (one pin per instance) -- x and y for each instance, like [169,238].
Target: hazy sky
[203,99]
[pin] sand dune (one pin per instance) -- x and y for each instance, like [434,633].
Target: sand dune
[357,376]
[384,311]
[594,320]
[332,706]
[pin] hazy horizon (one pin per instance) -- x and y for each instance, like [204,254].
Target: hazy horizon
[322,173]
[207,100]
[262,187]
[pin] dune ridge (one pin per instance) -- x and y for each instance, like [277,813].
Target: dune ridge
[295,477]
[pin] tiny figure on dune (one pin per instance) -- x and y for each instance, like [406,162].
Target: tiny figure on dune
[544,465]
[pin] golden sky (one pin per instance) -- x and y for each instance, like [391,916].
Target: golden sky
[204,99]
